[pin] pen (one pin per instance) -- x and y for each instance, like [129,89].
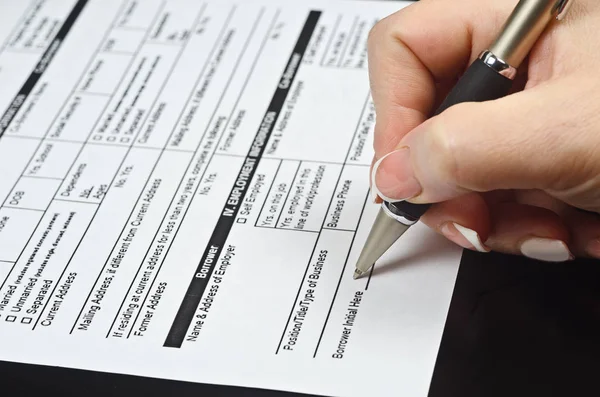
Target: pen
[489,77]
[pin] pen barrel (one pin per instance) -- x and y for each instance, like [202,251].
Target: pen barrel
[479,83]
[523,28]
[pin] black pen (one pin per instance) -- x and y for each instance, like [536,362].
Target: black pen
[489,77]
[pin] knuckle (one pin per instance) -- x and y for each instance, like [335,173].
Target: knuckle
[373,34]
[376,32]
[386,27]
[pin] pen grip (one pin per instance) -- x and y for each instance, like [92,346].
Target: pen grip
[478,84]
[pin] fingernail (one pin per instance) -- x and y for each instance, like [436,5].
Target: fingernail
[374,195]
[372,190]
[547,250]
[593,248]
[463,236]
[393,177]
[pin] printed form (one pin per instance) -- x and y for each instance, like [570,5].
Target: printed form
[185,191]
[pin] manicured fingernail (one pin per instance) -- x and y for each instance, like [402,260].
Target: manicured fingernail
[374,195]
[463,236]
[593,248]
[393,178]
[547,250]
[372,190]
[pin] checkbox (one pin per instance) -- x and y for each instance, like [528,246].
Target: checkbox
[241,220]
[11,319]
[26,320]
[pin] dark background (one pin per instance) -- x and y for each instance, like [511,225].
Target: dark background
[518,327]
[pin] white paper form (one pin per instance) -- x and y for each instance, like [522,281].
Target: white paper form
[184,191]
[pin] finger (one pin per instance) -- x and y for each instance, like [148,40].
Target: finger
[480,147]
[464,221]
[373,192]
[510,228]
[584,228]
[415,51]
[535,232]
[539,198]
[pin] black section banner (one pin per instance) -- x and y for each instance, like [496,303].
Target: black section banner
[193,296]
[40,68]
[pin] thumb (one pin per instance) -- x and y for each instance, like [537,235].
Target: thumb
[535,139]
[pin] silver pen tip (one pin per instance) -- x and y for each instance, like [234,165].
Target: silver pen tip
[384,233]
[357,274]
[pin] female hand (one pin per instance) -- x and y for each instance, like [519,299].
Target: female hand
[510,175]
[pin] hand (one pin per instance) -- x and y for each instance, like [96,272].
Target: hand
[511,175]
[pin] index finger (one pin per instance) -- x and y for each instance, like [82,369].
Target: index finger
[419,52]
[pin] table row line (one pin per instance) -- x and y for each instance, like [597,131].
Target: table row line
[126,252]
[284,194]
